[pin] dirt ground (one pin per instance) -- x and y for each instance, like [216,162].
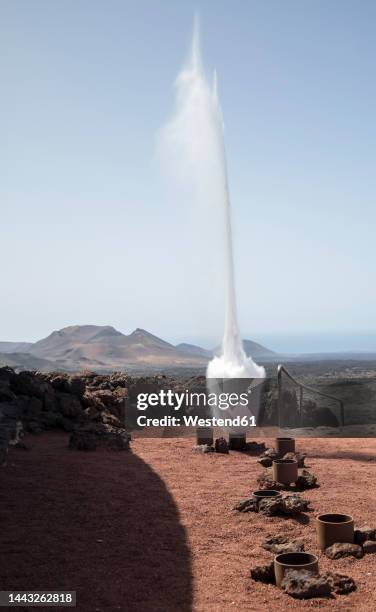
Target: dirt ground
[154,531]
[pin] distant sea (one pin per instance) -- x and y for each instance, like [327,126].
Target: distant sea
[320,342]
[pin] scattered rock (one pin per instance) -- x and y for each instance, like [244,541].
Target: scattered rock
[203,448]
[298,457]
[294,504]
[271,506]
[264,573]
[99,434]
[265,481]
[270,452]
[363,534]
[266,459]
[113,438]
[369,546]
[221,446]
[265,462]
[302,584]
[343,549]
[255,447]
[282,544]
[246,505]
[339,583]
[306,480]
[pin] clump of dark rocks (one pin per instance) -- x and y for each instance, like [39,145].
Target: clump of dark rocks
[263,573]
[340,583]
[303,584]
[306,480]
[364,543]
[267,457]
[298,457]
[344,549]
[364,534]
[255,447]
[203,448]
[369,547]
[90,437]
[287,505]
[221,446]
[282,544]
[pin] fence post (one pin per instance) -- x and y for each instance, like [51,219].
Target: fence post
[279,402]
[301,406]
[342,414]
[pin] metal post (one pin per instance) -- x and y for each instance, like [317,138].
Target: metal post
[342,414]
[279,402]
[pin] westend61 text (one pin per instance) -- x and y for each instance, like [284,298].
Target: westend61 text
[195,421]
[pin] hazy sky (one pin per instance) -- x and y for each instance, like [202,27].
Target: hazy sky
[89,232]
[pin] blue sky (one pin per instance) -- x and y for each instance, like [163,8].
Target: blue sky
[88,232]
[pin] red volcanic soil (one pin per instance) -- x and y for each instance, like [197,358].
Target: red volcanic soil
[154,531]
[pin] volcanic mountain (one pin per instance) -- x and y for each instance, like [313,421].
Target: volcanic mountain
[103,348]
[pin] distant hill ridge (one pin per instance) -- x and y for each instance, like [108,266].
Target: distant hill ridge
[104,348]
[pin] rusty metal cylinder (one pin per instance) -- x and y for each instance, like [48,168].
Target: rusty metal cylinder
[333,528]
[285,471]
[237,441]
[295,561]
[284,445]
[204,435]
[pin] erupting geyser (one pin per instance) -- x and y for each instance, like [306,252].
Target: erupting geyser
[196,136]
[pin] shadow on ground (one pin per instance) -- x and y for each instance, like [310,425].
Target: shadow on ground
[100,523]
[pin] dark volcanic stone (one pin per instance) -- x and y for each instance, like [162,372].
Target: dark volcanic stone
[221,446]
[369,546]
[264,573]
[282,544]
[265,461]
[339,583]
[203,448]
[113,438]
[69,405]
[265,481]
[246,505]
[363,534]
[343,549]
[270,452]
[294,504]
[302,584]
[255,447]
[306,480]
[299,458]
[270,506]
